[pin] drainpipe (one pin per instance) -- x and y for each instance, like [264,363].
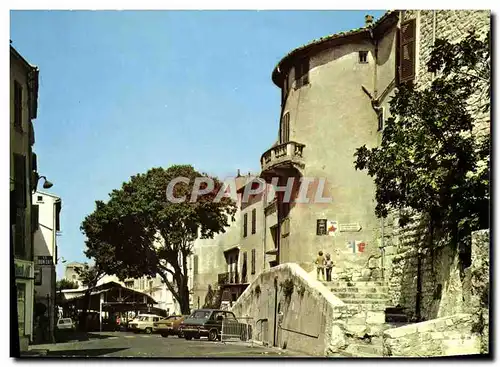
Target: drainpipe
[275,334]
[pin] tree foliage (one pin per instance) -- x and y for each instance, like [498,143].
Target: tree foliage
[65,284]
[431,160]
[139,232]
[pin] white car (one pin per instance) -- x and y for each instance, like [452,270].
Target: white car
[144,323]
[65,324]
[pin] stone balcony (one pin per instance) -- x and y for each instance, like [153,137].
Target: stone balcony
[282,157]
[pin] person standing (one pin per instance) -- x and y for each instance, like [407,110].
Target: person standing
[320,266]
[328,267]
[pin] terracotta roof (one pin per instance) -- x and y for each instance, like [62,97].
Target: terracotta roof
[301,49]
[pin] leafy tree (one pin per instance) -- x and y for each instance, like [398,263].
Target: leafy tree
[431,159]
[213,298]
[139,232]
[65,284]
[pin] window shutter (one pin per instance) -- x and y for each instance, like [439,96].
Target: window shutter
[245,217]
[285,128]
[253,261]
[407,51]
[20,180]
[254,215]
[18,106]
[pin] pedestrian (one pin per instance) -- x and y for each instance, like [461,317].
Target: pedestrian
[320,265]
[328,267]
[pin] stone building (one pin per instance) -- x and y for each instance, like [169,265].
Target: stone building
[71,272]
[23,181]
[335,95]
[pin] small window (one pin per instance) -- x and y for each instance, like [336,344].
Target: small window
[39,198]
[381,119]
[363,57]
[254,220]
[302,73]
[285,128]
[245,217]
[253,262]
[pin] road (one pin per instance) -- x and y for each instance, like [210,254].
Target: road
[124,344]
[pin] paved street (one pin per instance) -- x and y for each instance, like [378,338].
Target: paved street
[124,344]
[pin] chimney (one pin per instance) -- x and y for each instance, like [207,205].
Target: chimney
[368,20]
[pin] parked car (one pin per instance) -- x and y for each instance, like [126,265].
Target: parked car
[65,324]
[208,323]
[144,323]
[169,326]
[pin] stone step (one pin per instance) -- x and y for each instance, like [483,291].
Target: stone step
[363,349]
[351,295]
[358,355]
[381,289]
[357,301]
[365,307]
[359,283]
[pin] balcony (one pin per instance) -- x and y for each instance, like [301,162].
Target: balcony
[228,278]
[282,157]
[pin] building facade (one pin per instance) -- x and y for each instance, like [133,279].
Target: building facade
[71,273]
[23,181]
[45,252]
[334,100]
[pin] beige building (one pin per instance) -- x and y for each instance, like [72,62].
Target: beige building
[23,180]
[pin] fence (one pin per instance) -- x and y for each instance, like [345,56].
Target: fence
[240,330]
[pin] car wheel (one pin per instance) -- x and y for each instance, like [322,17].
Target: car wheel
[213,335]
[181,334]
[148,330]
[188,337]
[164,335]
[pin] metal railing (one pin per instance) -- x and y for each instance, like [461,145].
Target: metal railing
[239,329]
[228,278]
[291,150]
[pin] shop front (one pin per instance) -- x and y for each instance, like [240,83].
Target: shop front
[24,272]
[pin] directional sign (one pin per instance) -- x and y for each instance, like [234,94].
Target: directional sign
[350,227]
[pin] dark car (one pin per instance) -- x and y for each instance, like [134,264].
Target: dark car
[208,323]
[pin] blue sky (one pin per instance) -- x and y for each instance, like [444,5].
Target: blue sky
[122,92]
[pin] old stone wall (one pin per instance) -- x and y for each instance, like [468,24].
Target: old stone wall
[446,336]
[309,311]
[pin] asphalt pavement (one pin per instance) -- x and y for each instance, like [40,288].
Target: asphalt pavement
[125,344]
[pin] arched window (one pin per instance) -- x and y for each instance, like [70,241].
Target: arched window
[285,128]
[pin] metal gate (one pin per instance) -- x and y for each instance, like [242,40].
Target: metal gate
[239,330]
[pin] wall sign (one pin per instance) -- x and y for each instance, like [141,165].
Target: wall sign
[350,227]
[45,260]
[321,227]
[24,269]
[356,247]
[333,227]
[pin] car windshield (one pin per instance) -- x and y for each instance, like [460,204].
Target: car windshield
[200,315]
[143,318]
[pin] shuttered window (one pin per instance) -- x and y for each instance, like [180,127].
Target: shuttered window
[253,262]
[285,128]
[20,180]
[407,51]
[18,106]
[245,219]
[302,73]
[254,220]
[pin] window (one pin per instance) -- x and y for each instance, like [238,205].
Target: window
[302,73]
[381,119]
[245,217]
[254,220]
[285,128]
[20,232]
[20,180]
[244,268]
[129,284]
[253,262]
[407,51]
[363,57]
[39,198]
[18,106]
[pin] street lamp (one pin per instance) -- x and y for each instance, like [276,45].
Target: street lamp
[46,183]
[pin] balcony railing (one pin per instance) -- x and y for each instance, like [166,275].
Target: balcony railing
[228,278]
[286,153]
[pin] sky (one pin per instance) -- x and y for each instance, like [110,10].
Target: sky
[125,91]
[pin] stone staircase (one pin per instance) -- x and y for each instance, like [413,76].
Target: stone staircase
[366,301]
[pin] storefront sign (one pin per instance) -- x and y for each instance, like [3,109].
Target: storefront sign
[24,269]
[350,227]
